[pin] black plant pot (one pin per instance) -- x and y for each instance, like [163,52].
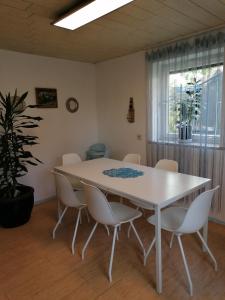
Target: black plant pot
[16,212]
[185,133]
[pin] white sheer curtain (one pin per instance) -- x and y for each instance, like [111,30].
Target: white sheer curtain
[186,111]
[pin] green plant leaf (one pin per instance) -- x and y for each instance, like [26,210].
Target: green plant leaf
[21,99]
[29,126]
[12,141]
[31,163]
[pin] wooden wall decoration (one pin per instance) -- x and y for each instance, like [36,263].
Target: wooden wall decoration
[131,111]
[46,98]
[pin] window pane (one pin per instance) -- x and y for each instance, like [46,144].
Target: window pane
[206,83]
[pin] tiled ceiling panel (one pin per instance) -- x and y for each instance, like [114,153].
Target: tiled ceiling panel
[25,26]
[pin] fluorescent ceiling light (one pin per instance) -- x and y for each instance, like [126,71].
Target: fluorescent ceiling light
[90,12]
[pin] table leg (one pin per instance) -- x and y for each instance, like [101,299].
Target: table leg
[205,235]
[205,228]
[158,250]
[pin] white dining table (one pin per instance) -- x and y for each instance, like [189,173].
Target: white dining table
[156,187]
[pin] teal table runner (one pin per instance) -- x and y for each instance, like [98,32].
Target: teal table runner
[123,173]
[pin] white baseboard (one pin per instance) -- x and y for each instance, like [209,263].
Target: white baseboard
[44,200]
[213,219]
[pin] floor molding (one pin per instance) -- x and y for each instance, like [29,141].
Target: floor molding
[213,219]
[38,202]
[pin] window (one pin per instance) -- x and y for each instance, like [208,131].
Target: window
[186,99]
[207,111]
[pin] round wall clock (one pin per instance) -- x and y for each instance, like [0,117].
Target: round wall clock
[72,105]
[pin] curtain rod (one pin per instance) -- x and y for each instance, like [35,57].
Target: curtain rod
[197,68]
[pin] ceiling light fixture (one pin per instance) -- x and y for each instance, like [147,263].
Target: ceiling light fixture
[89,13]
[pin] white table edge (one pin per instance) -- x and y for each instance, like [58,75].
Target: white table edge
[130,197]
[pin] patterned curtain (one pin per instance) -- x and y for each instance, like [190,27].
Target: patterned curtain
[186,109]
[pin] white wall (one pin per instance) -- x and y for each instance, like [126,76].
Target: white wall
[60,131]
[117,81]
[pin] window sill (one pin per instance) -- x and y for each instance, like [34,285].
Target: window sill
[188,144]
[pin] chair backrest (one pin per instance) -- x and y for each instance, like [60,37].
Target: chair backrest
[167,164]
[98,206]
[65,192]
[99,147]
[70,159]
[133,158]
[197,213]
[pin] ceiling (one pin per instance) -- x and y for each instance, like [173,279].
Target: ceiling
[25,26]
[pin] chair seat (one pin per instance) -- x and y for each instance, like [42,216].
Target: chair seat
[75,183]
[124,213]
[171,218]
[142,204]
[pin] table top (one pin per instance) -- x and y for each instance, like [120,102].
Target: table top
[157,187]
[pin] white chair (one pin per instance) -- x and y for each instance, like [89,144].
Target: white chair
[72,159]
[167,164]
[163,164]
[179,221]
[133,158]
[110,214]
[69,198]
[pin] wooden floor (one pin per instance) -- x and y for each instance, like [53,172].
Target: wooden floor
[33,266]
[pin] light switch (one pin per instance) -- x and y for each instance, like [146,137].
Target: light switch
[139,137]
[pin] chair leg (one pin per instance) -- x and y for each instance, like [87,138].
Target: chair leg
[148,251]
[143,210]
[59,222]
[129,229]
[107,229]
[80,219]
[185,265]
[59,209]
[138,237]
[88,240]
[87,215]
[171,240]
[75,230]
[208,250]
[112,253]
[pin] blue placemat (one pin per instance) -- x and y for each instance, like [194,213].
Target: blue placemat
[123,173]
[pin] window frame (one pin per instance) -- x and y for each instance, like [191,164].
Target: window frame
[163,135]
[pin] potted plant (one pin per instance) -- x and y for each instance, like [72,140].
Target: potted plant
[188,109]
[16,200]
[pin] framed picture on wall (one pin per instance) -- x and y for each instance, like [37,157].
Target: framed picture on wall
[46,98]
